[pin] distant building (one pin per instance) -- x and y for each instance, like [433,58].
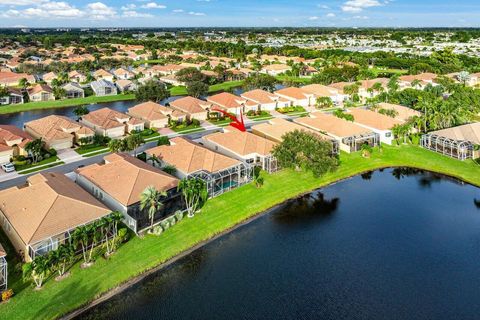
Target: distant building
[103,88]
[73,90]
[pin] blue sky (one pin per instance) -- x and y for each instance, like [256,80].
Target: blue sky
[238,13]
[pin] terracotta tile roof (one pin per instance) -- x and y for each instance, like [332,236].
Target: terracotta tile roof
[373,119]
[241,143]
[189,157]
[404,113]
[226,100]
[51,204]
[330,124]
[11,134]
[260,96]
[9,77]
[102,73]
[3,253]
[106,118]
[54,127]
[125,177]
[293,93]
[150,111]
[467,132]
[367,84]
[49,76]
[319,90]
[40,88]
[276,128]
[188,105]
[422,77]
[277,67]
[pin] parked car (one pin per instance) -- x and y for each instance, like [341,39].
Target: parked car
[8,167]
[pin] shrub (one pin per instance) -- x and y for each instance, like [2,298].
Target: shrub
[196,122]
[165,225]
[172,221]
[6,295]
[52,152]
[157,230]
[179,215]
[123,234]
[163,141]
[47,155]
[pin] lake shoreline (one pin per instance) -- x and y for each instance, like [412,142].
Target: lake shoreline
[134,280]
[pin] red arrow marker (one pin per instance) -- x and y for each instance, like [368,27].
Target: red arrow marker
[236,123]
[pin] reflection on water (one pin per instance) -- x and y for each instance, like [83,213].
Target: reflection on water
[381,248]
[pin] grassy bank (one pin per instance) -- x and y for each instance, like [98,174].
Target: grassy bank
[63,103]
[220,214]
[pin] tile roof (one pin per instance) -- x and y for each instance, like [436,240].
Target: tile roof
[226,100]
[9,134]
[260,96]
[150,111]
[330,124]
[125,177]
[241,143]
[189,157]
[319,90]
[3,253]
[188,105]
[276,128]
[40,88]
[373,119]
[467,132]
[49,205]
[106,118]
[54,127]
[293,92]
[404,113]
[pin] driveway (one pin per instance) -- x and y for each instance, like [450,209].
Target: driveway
[68,155]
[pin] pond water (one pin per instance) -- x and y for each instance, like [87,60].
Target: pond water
[391,244]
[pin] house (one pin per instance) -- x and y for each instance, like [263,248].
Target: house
[377,122]
[166,69]
[419,81]
[264,100]
[371,88]
[153,114]
[42,214]
[296,96]
[349,136]
[57,132]
[274,130]
[457,142]
[118,183]
[41,92]
[111,123]
[12,142]
[275,69]
[123,74]
[103,88]
[321,91]
[244,146]
[192,107]
[103,74]
[14,96]
[227,102]
[49,77]
[73,90]
[192,160]
[76,76]
[8,78]
[402,113]
[125,85]
[172,79]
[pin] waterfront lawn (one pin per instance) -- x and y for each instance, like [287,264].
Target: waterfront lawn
[302,80]
[220,214]
[182,91]
[63,103]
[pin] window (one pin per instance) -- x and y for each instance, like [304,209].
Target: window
[388,134]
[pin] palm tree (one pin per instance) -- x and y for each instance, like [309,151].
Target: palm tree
[61,257]
[116,145]
[257,178]
[81,237]
[150,198]
[36,270]
[195,194]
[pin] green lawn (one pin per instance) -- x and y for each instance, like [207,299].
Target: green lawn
[220,214]
[20,167]
[63,103]
[303,81]
[35,169]
[90,148]
[182,128]
[225,86]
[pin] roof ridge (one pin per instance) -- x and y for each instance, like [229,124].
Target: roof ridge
[46,213]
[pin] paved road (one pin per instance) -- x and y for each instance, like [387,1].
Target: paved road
[70,167]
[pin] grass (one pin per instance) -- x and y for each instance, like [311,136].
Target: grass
[63,103]
[219,214]
[90,148]
[21,167]
[225,86]
[225,121]
[35,169]
[303,81]
[182,127]
[189,130]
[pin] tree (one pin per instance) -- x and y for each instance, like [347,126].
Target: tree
[304,150]
[81,237]
[150,200]
[393,85]
[194,192]
[23,83]
[197,89]
[80,111]
[152,91]
[324,102]
[258,180]
[36,270]
[190,75]
[116,145]
[34,148]
[61,258]
[260,81]
[132,142]
[464,77]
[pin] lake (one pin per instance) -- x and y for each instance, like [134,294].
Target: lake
[391,244]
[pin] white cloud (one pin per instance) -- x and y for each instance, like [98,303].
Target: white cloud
[313,18]
[135,14]
[100,11]
[47,9]
[361,17]
[193,13]
[153,5]
[20,2]
[178,10]
[330,15]
[359,5]
[129,6]
[323,6]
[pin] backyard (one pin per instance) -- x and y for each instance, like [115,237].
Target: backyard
[219,215]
